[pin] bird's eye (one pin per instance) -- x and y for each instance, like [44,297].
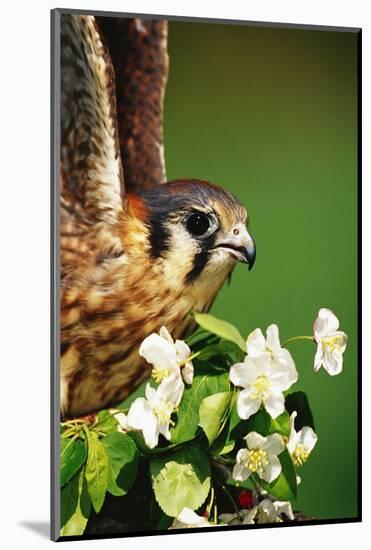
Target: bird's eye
[198,224]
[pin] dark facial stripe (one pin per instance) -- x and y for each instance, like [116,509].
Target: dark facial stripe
[159,238]
[199,263]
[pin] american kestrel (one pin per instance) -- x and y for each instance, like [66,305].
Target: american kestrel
[136,253]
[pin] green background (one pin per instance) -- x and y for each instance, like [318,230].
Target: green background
[271,114]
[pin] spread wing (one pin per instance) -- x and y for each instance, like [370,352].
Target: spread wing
[111,128]
[138,49]
[113,78]
[91,170]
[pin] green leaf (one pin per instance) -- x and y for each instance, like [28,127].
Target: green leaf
[73,456]
[96,471]
[247,484]
[187,421]
[145,451]
[220,328]
[123,462]
[227,448]
[158,520]
[107,423]
[280,425]
[222,444]
[260,422]
[181,479]
[284,487]
[69,498]
[224,348]
[298,401]
[77,522]
[212,412]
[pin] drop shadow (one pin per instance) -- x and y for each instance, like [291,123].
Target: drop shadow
[41,528]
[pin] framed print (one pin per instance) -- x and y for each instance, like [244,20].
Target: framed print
[205,285]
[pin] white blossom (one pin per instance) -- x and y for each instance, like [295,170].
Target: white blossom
[122,419]
[331,342]
[256,345]
[273,511]
[166,356]
[188,519]
[267,511]
[264,380]
[152,416]
[260,457]
[244,517]
[300,443]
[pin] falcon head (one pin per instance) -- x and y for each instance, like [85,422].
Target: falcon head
[197,232]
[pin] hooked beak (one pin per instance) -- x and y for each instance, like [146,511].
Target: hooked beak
[240,244]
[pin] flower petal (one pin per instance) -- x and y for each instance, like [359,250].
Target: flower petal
[294,437]
[308,437]
[293,415]
[283,507]
[141,417]
[325,323]
[255,343]
[273,339]
[250,516]
[122,420]
[158,352]
[151,395]
[182,350]
[254,440]
[164,333]
[240,473]
[293,441]
[188,372]
[171,388]
[246,406]
[344,337]
[274,404]
[282,371]
[241,374]
[332,362]
[267,511]
[274,444]
[318,358]
[272,470]
[229,518]
[164,429]
[238,375]
[189,517]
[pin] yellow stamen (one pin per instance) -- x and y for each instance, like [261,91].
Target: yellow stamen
[260,387]
[256,461]
[333,343]
[300,455]
[163,411]
[158,374]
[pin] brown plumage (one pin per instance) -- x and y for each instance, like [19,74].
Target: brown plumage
[135,255]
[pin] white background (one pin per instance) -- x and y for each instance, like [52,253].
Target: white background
[25,264]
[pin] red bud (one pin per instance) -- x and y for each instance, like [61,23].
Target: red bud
[245,499]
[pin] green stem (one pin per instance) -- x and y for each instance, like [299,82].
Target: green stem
[230,498]
[211,502]
[215,512]
[189,358]
[86,433]
[298,338]
[119,411]
[73,422]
